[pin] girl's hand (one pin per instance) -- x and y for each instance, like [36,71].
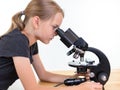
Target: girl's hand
[90,85]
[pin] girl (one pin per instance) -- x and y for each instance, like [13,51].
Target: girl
[18,48]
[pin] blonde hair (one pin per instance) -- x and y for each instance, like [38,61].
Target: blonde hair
[45,9]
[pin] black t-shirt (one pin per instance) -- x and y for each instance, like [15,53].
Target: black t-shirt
[13,44]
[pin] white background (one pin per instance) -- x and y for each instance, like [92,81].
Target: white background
[96,21]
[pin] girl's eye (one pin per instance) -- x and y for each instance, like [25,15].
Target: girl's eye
[55,27]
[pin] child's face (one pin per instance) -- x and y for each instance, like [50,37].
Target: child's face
[47,28]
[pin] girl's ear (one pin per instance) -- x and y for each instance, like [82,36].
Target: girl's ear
[36,21]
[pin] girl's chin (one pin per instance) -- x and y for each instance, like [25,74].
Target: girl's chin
[46,42]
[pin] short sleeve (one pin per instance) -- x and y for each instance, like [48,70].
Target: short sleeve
[34,49]
[14,46]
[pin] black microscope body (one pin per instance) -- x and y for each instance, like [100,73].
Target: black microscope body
[95,72]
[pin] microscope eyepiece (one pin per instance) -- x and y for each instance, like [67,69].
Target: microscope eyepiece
[70,38]
[64,37]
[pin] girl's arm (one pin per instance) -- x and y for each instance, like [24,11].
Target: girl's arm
[27,77]
[25,73]
[45,75]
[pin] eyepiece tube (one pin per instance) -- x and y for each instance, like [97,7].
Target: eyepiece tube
[63,37]
[68,37]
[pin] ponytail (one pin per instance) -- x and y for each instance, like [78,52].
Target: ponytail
[17,21]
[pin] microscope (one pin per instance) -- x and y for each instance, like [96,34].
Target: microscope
[85,69]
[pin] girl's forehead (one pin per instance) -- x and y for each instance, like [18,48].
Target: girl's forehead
[57,19]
